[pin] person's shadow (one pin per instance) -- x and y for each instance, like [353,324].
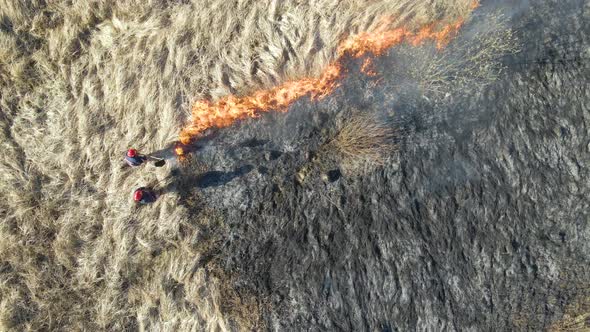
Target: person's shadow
[183,183]
[219,178]
[165,153]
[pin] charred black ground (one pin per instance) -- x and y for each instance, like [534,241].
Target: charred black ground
[477,222]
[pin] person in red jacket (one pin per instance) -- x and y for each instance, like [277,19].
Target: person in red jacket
[134,158]
[144,195]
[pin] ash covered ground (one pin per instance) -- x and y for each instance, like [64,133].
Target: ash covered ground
[478,221]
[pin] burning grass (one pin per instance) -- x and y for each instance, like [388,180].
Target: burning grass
[229,109]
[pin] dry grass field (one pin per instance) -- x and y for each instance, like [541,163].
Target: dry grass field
[82,81]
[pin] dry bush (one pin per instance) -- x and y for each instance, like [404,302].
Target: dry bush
[364,139]
[471,61]
[81,81]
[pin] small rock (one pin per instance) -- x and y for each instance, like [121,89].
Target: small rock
[333,175]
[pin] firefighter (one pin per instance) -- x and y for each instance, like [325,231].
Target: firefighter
[134,158]
[144,195]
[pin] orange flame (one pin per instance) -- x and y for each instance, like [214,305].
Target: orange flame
[181,152]
[229,109]
[367,67]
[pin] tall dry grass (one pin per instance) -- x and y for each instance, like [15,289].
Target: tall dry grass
[81,81]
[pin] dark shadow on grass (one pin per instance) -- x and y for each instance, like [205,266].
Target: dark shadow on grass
[252,143]
[218,178]
[165,153]
[185,183]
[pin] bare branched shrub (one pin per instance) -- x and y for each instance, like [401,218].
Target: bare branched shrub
[363,139]
[469,62]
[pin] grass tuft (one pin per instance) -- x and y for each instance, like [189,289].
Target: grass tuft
[364,139]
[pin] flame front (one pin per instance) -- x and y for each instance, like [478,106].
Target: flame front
[229,109]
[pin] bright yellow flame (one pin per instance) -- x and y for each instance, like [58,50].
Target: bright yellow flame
[179,151]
